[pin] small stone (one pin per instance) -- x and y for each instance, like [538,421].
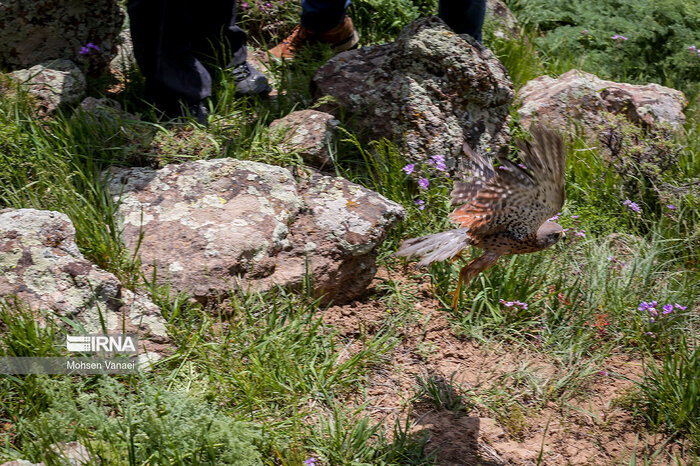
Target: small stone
[54,83]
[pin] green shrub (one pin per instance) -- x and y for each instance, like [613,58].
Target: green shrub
[153,426]
[671,392]
[658,34]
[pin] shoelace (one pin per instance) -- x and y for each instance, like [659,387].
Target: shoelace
[296,38]
[240,72]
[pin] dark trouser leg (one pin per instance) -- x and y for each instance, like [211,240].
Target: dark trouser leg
[463,16]
[219,41]
[172,38]
[323,15]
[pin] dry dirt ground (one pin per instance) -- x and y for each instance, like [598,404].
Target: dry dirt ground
[588,428]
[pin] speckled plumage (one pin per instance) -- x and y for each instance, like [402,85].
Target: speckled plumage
[502,210]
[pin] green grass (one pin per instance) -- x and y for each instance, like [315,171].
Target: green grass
[261,378]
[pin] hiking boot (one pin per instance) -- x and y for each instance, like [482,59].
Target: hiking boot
[342,37]
[199,112]
[249,81]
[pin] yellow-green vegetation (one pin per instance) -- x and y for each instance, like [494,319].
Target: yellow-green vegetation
[262,379]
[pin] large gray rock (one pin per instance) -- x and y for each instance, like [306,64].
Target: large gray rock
[431,90]
[209,226]
[53,84]
[42,266]
[34,31]
[583,98]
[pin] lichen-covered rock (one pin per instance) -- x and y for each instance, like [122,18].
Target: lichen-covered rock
[34,31]
[53,83]
[431,90]
[506,24]
[74,453]
[124,59]
[209,226]
[582,97]
[104,109]
[22,463]
[310,132]
[42,267]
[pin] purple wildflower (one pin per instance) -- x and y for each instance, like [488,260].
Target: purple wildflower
[522,305]
[439,161]
[581,233]
[523,166]
[84,51]
[632,205]
[420,203]
[423,183]
[619,37]
[682,308]
[555,218]
[269,5]
[409,168]
[244,5]
[504,168]
[611,258]
[513,303]
[310,462]
[90,45]
[667,309]
[575,217]
[650,307]
[671,207]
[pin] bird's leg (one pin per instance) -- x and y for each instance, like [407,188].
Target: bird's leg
[471,270]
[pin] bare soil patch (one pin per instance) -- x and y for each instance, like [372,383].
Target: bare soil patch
[588,428]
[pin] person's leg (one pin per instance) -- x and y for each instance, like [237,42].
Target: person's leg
[324,21]
[163,50]
[463,16]
[221,43]
[219,40]
[323,15]
[172,41]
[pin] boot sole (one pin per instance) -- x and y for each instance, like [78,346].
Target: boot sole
[347,44]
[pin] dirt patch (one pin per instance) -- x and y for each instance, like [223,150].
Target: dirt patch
[499,420]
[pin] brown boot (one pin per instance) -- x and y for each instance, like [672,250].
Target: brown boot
[342,37]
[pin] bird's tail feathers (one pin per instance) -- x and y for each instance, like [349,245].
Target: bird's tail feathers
[437,247]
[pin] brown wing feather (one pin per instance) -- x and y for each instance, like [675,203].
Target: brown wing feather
[513,197]
[547,157]
[481,171]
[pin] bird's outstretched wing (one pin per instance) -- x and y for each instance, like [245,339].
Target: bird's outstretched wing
[517,197]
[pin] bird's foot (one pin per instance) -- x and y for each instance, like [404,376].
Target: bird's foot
[456,294]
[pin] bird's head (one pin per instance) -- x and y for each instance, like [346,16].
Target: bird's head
[549,233]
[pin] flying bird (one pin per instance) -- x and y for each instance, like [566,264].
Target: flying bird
[503,210]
